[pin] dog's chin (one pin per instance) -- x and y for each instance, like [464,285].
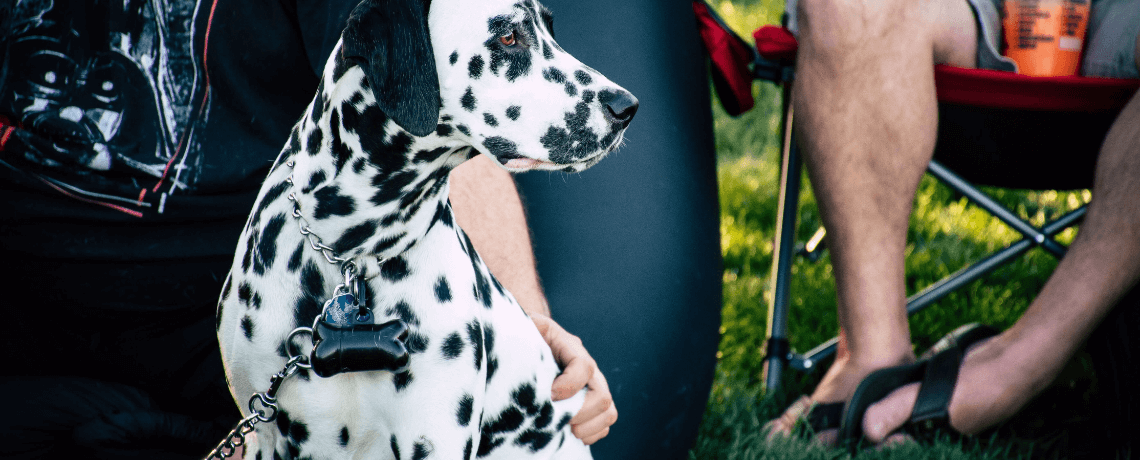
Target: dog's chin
[522,164]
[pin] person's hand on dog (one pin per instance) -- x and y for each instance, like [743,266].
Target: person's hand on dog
[579,370]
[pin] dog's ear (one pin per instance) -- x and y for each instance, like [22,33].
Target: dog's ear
[390,40]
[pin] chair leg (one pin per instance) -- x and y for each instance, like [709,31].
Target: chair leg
[778,348]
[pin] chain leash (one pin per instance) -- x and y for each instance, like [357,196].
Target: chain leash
[262,408]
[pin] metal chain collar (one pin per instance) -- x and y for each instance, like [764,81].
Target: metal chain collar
[314,240]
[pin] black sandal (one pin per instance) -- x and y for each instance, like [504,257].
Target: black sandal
[937,370]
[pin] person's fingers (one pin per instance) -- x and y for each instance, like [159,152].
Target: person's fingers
[889,414]
[598,400]
[579,370]
[597,428]
[577,365]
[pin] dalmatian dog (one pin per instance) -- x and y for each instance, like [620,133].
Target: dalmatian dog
[411,91]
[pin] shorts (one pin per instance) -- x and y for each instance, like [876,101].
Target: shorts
[1110,43]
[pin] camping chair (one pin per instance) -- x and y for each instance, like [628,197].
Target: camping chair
[995,128]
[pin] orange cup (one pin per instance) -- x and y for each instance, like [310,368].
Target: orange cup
[1045,37]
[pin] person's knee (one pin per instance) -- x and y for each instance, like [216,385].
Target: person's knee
[848,24]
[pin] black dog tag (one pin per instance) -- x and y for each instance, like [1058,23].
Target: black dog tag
[360,347]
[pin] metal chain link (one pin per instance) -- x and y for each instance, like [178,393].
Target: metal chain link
[314,240]
[262,408]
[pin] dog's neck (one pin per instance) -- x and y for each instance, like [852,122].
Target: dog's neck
[366,186]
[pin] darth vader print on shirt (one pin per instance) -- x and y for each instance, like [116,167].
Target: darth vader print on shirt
[100,99]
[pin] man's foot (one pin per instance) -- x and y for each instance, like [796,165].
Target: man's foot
[837,386]
[996,380]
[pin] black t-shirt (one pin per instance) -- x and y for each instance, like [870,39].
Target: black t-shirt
[133,139]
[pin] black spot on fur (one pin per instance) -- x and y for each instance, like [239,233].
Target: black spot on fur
[490,119]
[525,397]
[267,244]
[390,187]
[427,156]
[464,411]
[442,215]
[563,422]
[358,165]
[468,102]
[492,366]
[295,259]
[402,380]
[535,439]
[454,57]
[452,346]
[315,139]
[395,269]
[475,335]
[442,290]
[545,416]
[513,112]
[501,147]
[554,75]
[247,327]
[547,53]
[420,451]
[298,432]
[463,128]
[588,96]
[386,243]
[509,419]
[331,203]
[583,78]
[571,90]
[343,439]
[245,292]
[270,196]
[467,450]
[443,130]
[312,290]
[340,149]
[283,422]
[416,342]
[518,61]
[255,302]
[354,236]
[315,180]
[488,338]
[404,312]
[475,67]
[486,444]
[395,447]
[576,141]
[483,288]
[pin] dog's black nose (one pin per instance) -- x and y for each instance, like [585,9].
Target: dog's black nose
[620,106]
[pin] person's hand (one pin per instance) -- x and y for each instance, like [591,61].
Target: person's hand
[579,370]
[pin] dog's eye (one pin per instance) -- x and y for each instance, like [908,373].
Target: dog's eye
[508,40]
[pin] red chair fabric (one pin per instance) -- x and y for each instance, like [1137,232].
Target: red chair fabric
[730,56]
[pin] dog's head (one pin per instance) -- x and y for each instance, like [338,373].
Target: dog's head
[493,70]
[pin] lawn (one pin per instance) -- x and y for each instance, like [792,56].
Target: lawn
[946,234]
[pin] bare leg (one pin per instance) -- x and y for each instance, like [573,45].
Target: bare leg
[865,104]
[1000,376]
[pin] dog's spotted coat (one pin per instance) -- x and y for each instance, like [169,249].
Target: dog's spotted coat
[368,166]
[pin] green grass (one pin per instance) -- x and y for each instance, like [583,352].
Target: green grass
[946,234]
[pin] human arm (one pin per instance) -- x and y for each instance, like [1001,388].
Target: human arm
[489,209]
